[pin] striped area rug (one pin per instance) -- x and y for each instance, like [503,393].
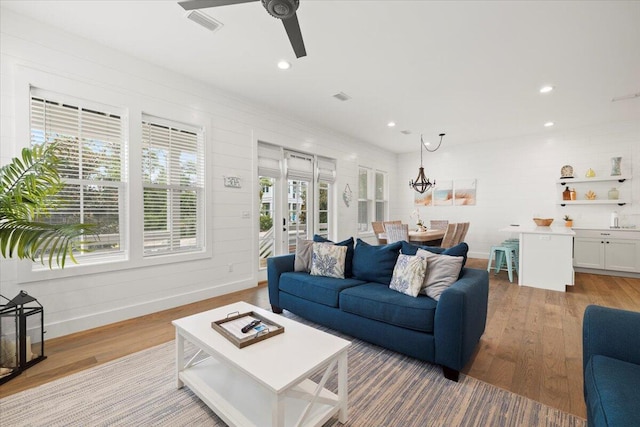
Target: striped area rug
[385,389]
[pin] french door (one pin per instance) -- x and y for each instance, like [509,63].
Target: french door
[294,199]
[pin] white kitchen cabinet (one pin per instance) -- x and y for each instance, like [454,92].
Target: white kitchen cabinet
[616,250]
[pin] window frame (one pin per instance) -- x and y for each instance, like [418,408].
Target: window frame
[199,187]
[122,186]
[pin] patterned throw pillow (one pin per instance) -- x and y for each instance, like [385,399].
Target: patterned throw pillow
[408,274]
[328,260]
[442,272]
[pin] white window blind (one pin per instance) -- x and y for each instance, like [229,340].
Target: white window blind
[299,166]
[173,183]
[326,170]
[92,163]
[269,160]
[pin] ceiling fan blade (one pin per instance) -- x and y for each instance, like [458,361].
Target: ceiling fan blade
[201,4]
[295,35]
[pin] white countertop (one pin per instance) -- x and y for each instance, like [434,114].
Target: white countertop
[607,229]
[530,229]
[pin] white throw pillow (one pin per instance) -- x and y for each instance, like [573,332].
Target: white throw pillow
[408,274]
[328,260]
[442,272]
[304,250]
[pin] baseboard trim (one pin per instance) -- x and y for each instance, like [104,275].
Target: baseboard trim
[607,272]
[82,323]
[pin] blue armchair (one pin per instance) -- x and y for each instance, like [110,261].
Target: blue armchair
[611,361]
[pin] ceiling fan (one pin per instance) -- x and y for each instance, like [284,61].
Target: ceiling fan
[284,10]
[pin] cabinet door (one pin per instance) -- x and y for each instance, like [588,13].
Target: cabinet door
[621,255]
[588,252]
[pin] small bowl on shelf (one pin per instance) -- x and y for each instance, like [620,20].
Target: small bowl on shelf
[543,222]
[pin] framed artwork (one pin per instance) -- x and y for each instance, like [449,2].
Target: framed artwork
[423,199]
[465,192]
[443,194]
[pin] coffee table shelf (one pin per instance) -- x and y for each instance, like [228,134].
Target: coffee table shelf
[268,383]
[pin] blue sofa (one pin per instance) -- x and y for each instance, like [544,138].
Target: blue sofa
[611,361]
[444,332]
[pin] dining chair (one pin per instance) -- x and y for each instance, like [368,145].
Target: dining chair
[438,224]
[461,232]
[378,228]
[449,236]
[397,232]
[392,222]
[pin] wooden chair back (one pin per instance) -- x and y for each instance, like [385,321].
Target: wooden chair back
[438,224]
[378,228]
[449,236]
[397,232]
[461,232]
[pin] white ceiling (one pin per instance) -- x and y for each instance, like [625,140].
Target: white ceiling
[470,69]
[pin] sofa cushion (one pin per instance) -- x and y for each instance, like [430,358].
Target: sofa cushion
[442,272]
[460,249]
[328,260]
[379,302]
[408,274]
[375,263]
[323,290]
[304,249]
[348,272]
[612,391]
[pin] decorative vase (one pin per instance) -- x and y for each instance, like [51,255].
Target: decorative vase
[614,194]
[568,223]
[615,166]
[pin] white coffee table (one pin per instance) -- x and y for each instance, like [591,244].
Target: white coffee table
[267,383]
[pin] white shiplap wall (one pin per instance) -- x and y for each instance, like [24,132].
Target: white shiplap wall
[516,180]
[60,61]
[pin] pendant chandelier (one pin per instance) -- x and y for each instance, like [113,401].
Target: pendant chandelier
[422,183]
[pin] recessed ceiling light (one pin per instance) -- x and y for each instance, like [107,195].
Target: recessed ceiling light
[549,124]
[391,124]
[284,65]
[546,89]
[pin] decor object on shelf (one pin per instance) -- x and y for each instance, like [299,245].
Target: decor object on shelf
[347,195]
[615,220]
[615,166]
[22,341]
[573,193]
[568,221]
[566,194]
[590,173]
[543,222]
[613,194]
[566,171]
[590,195]
[422,183]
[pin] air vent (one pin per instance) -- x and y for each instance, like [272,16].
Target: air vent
[204,20]
[406,132]
[342,96]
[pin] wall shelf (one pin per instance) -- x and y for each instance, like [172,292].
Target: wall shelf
[618,202]
[619,178]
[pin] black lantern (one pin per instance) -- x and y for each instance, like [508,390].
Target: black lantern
[21,335]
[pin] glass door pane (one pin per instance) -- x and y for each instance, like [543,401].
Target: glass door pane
[323,210]
[297,195]
[267,233]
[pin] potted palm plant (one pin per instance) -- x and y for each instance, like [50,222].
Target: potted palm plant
[29,185]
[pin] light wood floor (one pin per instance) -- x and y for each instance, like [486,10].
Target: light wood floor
[532,344]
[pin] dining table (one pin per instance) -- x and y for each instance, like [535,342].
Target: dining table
[422,237]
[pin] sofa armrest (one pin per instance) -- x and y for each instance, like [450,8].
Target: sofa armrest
[461,317]
[276,265]
[611,332]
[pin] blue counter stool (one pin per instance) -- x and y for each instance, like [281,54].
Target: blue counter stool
[503,253]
